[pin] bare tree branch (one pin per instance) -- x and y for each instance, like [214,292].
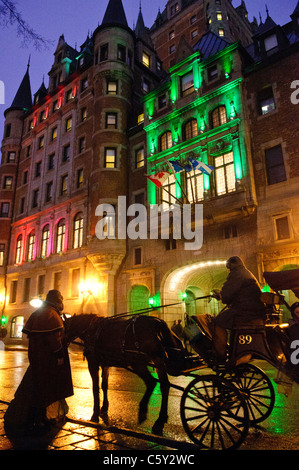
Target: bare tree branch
[10,16]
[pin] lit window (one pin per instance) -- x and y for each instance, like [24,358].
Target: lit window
[2,253]
[165,141]
[266,100]
[195,188]
[225,174]
[171,35]
[78,231]
[63,185]
[54,133]
[146,59]
[111,120]
[110,158]
[19,249]
[111,87]
[168,193]
[139,158]
[80,178]
[191,129]
[68,124]
[45,241]
[17,325]
[219,16]
[221,32]
[60,236]
[219,116]
[41,142]
[8,180]
[140,118]
[31,245]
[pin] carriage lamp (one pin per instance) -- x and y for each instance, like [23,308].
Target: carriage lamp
[3,321]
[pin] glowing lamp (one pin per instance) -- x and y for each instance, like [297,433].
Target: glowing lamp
[36,303]
[3,321]
[151,301]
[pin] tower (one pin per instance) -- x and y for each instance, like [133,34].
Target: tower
[10,150]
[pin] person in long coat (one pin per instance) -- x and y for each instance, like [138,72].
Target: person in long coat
[242,295]
[48,379]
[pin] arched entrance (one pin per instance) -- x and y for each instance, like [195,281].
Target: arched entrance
[186,283]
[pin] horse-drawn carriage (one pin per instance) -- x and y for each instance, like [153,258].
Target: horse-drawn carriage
[222,400]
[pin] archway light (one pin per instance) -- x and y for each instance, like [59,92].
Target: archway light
[177,277]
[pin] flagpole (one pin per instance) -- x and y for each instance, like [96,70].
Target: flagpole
[166,190]
[170,166]
[193,197]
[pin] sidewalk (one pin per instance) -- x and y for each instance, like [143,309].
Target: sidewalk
[76,435]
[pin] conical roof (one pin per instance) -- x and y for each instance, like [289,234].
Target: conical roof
[141,31]
[115,14]
[23,98]
[265,27]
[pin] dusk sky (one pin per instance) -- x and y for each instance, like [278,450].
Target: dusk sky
[74,18]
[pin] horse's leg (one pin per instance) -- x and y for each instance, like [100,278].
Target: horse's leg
[94,373]
[105,375]
[150,384]
[163,417]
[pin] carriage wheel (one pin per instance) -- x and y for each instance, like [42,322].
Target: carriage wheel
[257,390]
[214,413]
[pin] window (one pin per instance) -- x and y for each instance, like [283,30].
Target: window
[193,19]
[41,284]
[137,256]
[230,231]
[55,106]
[172,49]
[8,180]
[51,160]
[171,34]
[271,43]
[49,190]
[41,142]
[17,325]
[212,73]
[195,188]
[26,289]
[140,118]
[219,16]
[66,153]
[22,205]
[187,84]
[54,133]
[111,120]
[28,151]
[146,59]
[78,231]
[38,166]
[121,52]
[83,114]
[75,282]
[60,236]
[174,9]
[82,144]
[139,158]
[219,116]
[194,34]
[13,292]
[266,100]
[45,241]
[63,185]
[68,124]
[282,228]
[221,32]
[25,177]
[109,227]
[275,165]
[30,247]
[7,130]
[84,84]
[80,178]
[4,209]
[146,85]
[190,129]
[161,101]
[110,158]
[168,192]
[19,249]
[11,157]
[104,52]
[112,87]
[225,174]
[69,95]
[57,281]
[2,254]
[165,141]
[35,198]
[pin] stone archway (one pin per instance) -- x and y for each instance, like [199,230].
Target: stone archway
[196,279]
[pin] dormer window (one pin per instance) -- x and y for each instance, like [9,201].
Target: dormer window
[174,9]
[271,43]
[145,59]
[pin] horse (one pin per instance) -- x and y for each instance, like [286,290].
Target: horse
[132,343]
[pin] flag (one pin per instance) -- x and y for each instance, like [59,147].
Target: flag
[207,169]
[159,178]
[175,166]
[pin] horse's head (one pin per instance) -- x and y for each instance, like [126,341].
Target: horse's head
[78,326]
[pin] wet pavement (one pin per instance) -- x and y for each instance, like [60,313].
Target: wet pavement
[121,433]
